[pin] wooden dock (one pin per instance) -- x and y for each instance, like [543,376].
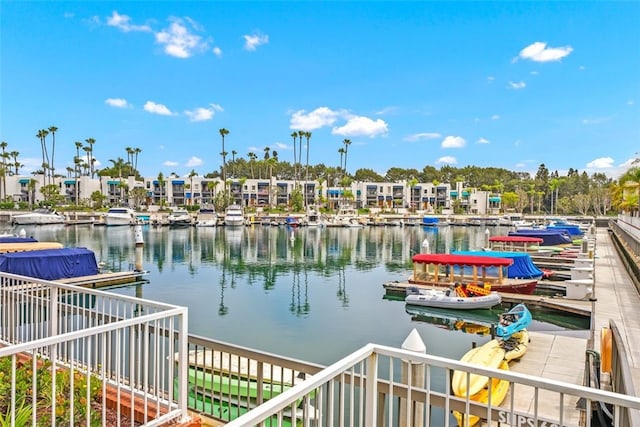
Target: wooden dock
[106,279]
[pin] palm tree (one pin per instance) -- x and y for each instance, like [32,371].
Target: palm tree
[223,132]
[294,135]
[161,186]
[347,143]
[136,151]
[129,151]
[341,151]
[41,135]
[5,156]
[307,135]
[16,164]
[53,131]
[299,161]
[90,160]
[191,175]
[252,158]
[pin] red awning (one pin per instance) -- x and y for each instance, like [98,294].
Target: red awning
[453,259]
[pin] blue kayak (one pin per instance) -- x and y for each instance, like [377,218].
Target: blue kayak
[514,320]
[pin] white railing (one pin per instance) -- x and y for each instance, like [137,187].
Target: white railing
[77,356]
[384,386]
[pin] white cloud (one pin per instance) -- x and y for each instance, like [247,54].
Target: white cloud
[154,108]
[517,85]
[539,52]
[252,41]
[322,116]
[117,102]
[170,163]
[202,114]
[495,117]
[423,135]
[449,160]
[361,126]
[631,102]
[122,22]
[595,121]
[490,79]
[281,146]
[194,162]
[533,73]
[453,142]
[179,40]
[217,51]
[482,141]
[601,163]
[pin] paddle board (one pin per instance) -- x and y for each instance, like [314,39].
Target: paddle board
[488,355]
[499,389]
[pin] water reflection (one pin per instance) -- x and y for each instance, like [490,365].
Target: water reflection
[312,293]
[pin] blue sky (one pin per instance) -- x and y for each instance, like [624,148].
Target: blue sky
[411,84]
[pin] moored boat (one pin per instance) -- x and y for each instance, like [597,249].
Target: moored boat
[514,320]
[234,216]
[179,218]
[119,216]
[206,217]
[460,297]
[549,237]
[444,270]
[39,217]
[522,267]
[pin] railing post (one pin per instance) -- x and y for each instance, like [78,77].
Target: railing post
[412,413]
[183,361]
[371,393]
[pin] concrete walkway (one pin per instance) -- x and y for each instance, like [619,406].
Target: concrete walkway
[617,299]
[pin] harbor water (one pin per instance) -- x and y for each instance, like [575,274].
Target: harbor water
[311,293]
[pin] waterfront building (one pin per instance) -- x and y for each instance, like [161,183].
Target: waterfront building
[402,196]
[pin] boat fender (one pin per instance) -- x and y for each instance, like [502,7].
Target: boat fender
[605,350]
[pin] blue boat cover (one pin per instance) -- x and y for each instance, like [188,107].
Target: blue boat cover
[51,264]
[16,239]
[549,237]
[573,230]
[522,267]
[430,220]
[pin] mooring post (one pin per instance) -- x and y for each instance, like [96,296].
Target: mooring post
[411,412]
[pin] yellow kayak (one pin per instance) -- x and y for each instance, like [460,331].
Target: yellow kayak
[515,347]
[499,390]
[488,355]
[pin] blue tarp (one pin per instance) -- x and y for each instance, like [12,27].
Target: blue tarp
[51,264]
[16,239]
[430,220]
[573,230]
[522,267]
[549,238]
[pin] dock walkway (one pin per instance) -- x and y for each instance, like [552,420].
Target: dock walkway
[562,357]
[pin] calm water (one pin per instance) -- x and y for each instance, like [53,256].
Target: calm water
[310,293]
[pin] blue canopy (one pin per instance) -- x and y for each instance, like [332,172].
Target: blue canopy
[16,239]
[522,267]
[51,264]
[549,237]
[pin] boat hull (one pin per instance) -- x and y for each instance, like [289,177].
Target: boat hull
[488,356]
[441,300]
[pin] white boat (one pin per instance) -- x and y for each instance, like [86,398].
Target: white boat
[206,218]
[39,217]
[450,298]
[120,216]
[179,218]
[234,216]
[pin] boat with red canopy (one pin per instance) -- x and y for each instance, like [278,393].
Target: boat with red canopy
[446,270]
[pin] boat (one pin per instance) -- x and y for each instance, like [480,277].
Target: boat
[179,218]
[120,216]
[292,221]
[522,243]
[522,267]
[234,216]
[39,217]
[444,270]
[50,264]
[459,297]
[514,320]
[549,237]
[496,390]
[206,217]
[487,356]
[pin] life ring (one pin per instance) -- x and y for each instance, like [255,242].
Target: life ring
[605,350]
